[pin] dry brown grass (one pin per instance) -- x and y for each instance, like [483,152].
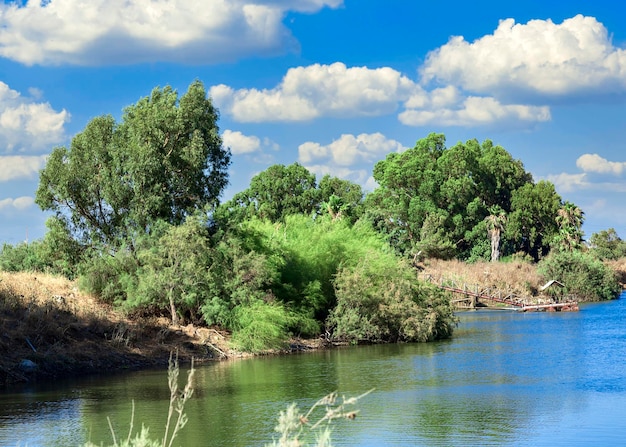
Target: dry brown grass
[47,320]
[519,278]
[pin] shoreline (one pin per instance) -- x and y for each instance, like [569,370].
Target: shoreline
[50,330]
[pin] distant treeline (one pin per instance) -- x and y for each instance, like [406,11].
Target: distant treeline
[137,220]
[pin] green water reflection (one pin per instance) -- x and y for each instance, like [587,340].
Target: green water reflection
[502,380]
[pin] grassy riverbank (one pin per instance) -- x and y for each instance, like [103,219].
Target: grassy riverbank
[48,328]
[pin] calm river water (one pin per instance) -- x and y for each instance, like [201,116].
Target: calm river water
[505,379]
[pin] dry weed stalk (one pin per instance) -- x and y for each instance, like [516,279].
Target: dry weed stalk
[178,399]
[292,423]
[176,417]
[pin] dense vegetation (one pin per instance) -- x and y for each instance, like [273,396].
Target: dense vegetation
[137,219]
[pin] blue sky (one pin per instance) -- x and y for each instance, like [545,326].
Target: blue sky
[333,84]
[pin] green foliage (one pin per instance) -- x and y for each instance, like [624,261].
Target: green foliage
[532,223]
[22,257]
[56,253]
[261,326]
[341,198]
[478,238]
[277,192]
[173,271]
[584,276]
[109,276]
[164,161]
[240,275]
[432,197]
[313,253]
[607,245]
[569,219]
[380,299]
[281,191]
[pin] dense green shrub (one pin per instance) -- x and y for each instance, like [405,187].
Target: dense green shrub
[239,275]
[109,277]
[607,245]
[56,253]
[21,257]
[260,326]
[382,300]
[314,251]
[584,276]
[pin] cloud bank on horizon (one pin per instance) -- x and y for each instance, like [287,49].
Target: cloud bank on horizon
[512,79]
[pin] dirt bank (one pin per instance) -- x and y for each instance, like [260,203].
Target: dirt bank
[49,329]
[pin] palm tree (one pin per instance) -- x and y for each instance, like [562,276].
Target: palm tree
[495,224]
[570,219]
[335,207]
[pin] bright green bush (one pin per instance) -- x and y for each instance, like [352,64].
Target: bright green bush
[260,326]
[313,252]
[238,275]
[584,276]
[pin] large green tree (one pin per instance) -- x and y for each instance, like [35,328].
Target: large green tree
[277,192]
[434,200]
[163,161]
[607,244]
[532,223]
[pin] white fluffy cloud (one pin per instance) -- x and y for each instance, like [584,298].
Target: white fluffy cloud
[26,125]
[318,90]
[349,150]
[541,57]
[241,144]
[20,203]
[14,167]
[101,32]
[598,175]
[335,90]
[508,78]
[597,164]
[475,111]
[565,182]
[348,157]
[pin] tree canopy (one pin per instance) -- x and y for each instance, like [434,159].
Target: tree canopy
[277,192]
[434,200]
[163,161]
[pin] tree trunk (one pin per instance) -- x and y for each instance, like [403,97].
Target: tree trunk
[495,245]
[173,308]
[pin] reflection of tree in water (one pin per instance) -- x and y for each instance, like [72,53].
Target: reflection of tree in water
[482,421]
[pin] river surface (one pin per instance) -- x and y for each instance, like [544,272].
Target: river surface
[505,379]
